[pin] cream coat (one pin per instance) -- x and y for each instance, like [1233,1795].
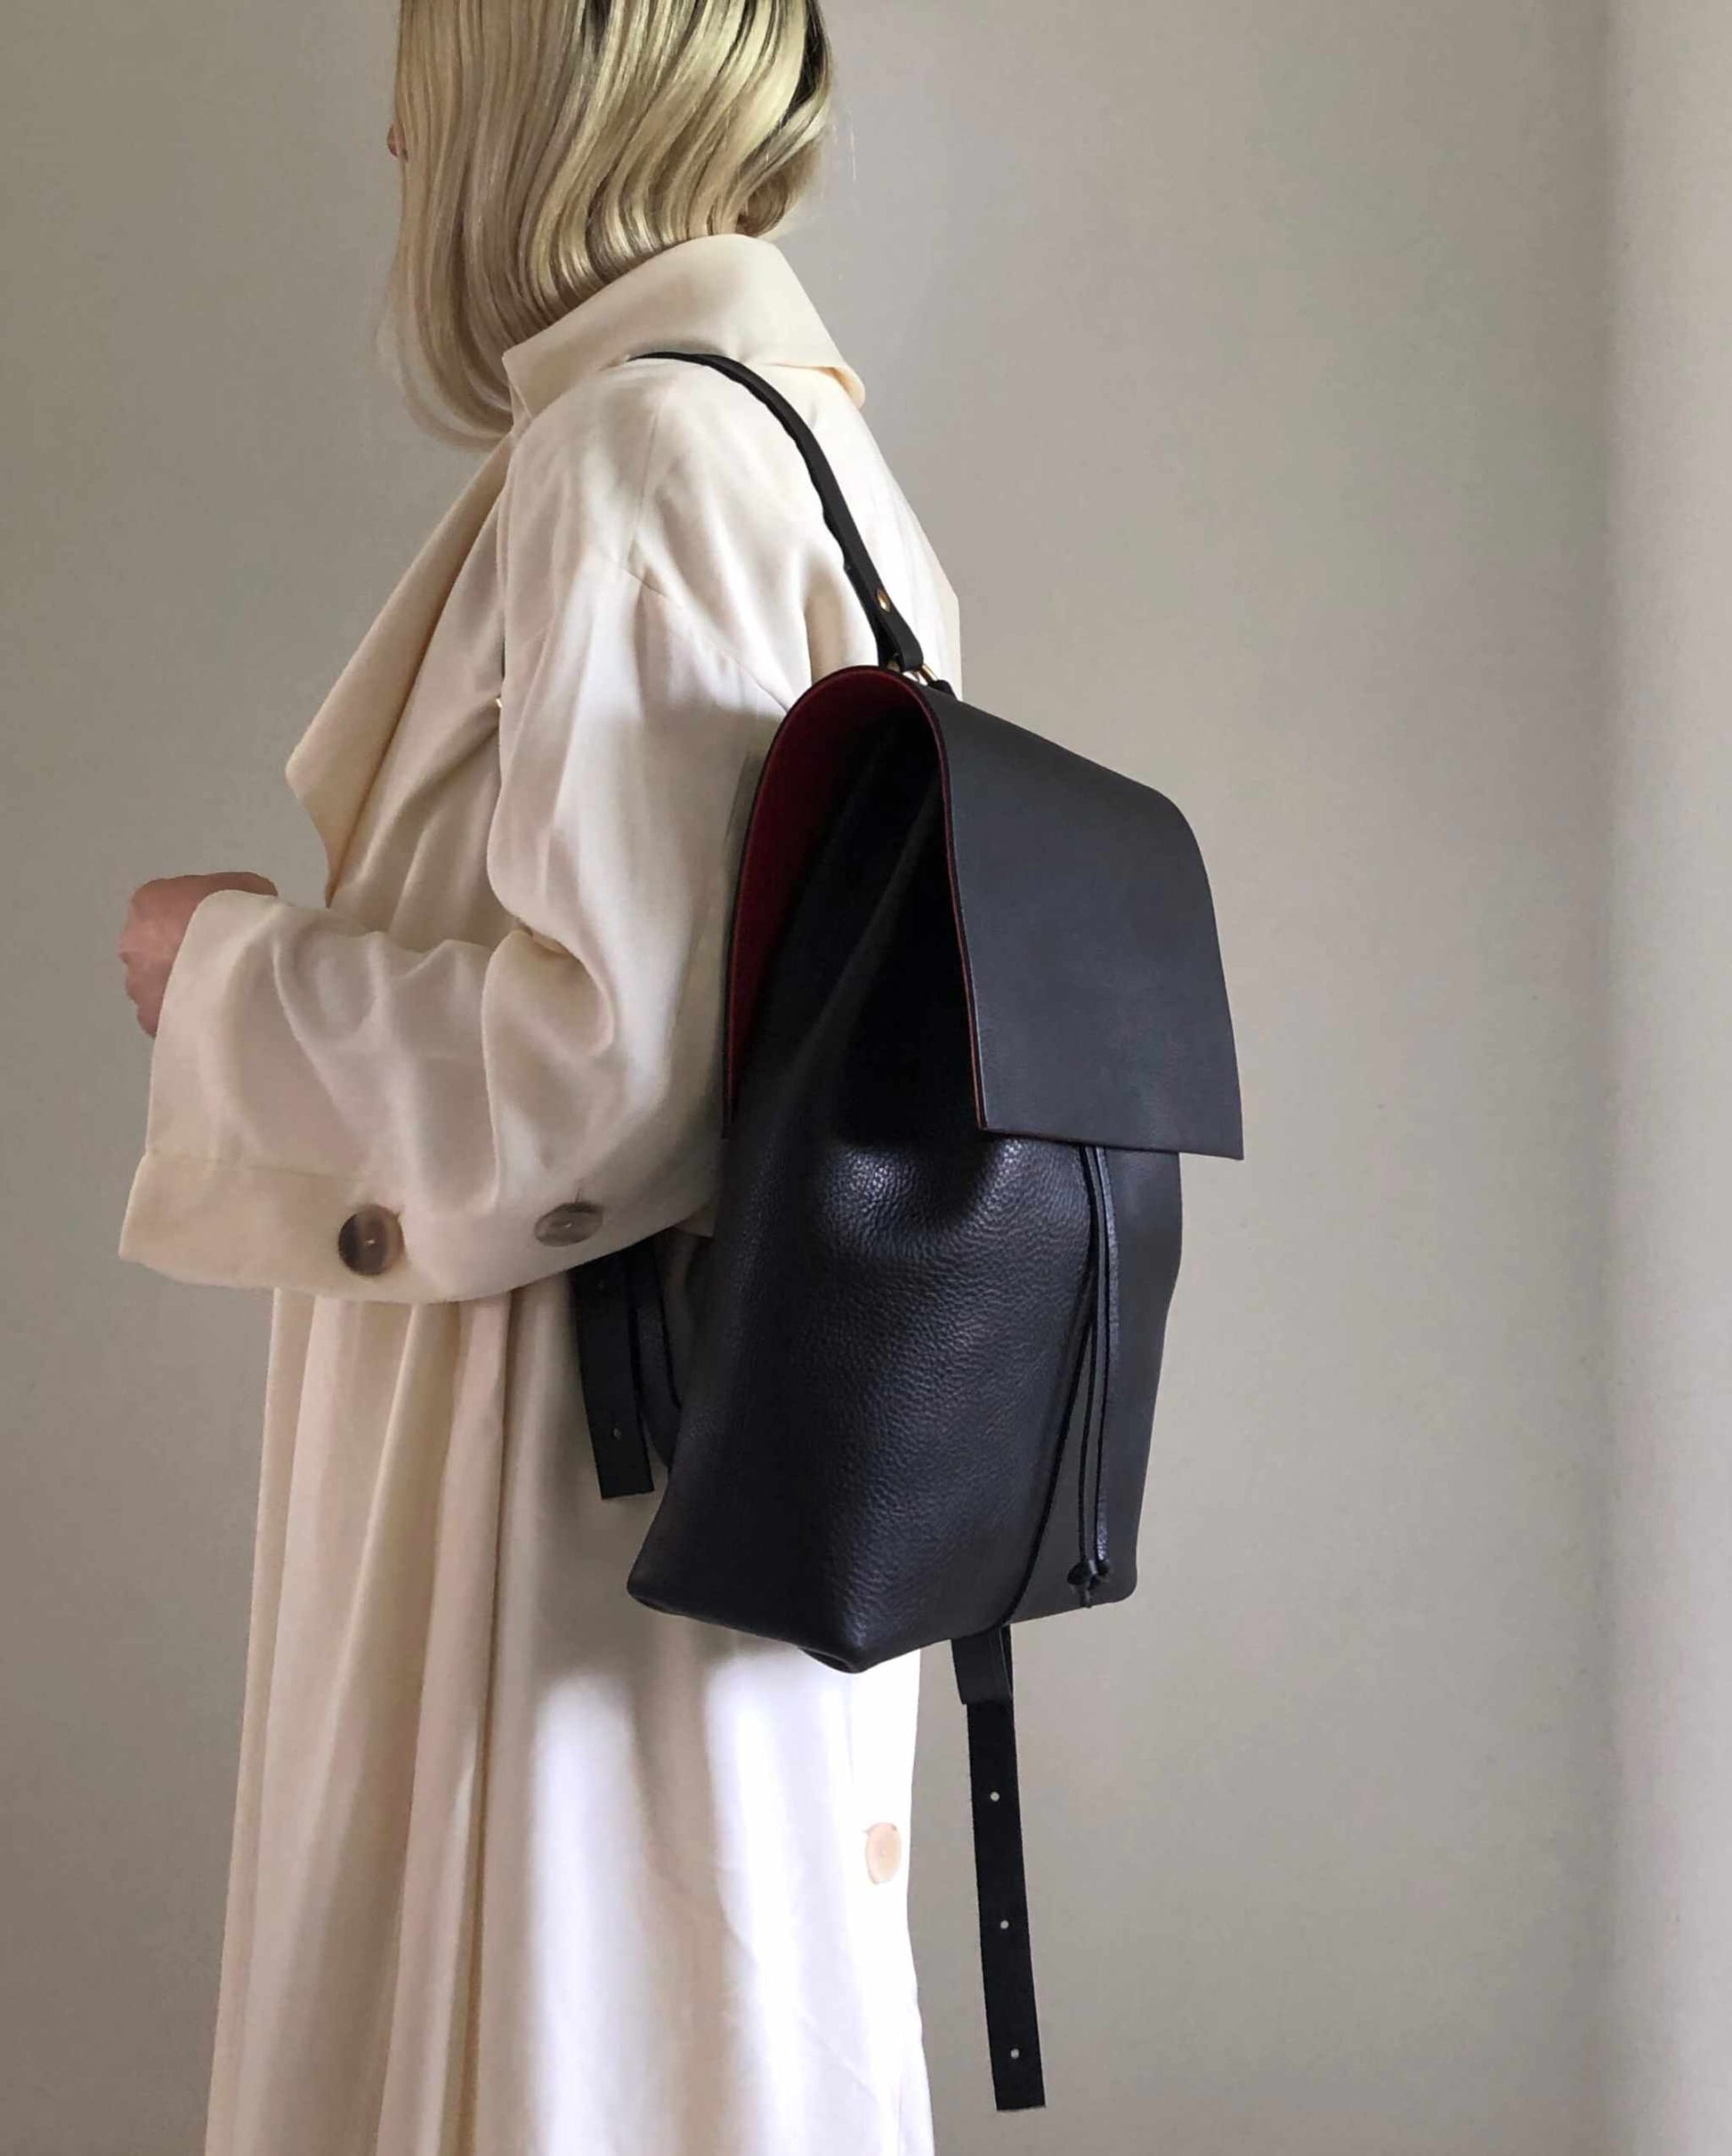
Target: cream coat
[519,1867]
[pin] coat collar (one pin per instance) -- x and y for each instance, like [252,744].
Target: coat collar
[725,292]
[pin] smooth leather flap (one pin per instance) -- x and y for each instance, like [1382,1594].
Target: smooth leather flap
[1098,1005]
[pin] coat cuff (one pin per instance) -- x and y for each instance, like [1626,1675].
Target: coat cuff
[210,1205]
[229,1224]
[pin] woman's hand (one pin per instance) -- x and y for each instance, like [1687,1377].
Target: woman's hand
[156,923]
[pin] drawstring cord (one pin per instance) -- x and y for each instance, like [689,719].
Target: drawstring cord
[1093,1564]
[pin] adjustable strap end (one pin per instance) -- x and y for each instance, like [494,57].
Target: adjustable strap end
[601,1319]
[984,1678]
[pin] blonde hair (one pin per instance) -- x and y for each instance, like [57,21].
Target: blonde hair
[548,146]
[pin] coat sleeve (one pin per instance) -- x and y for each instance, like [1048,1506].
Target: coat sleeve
[305,1068]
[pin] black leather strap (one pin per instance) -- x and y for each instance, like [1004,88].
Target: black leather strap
[607,1364]
[652,1355]
[1006,1962]
[899,647]
[626,1366]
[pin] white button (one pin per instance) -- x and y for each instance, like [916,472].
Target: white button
[884,1851]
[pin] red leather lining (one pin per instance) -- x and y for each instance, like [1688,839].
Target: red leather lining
[797,791]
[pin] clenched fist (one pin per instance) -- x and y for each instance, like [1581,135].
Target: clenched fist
[156,922]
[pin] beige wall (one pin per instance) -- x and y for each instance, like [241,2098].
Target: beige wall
[1244,357]
[1674,1281]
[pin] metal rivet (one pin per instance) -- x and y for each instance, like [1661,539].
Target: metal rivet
[1004,1923]
[884,601]
[994,1795]
[1015,2053]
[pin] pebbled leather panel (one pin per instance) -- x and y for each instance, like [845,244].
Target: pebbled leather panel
[1147,1202]
[1147,1213]
[877,1392]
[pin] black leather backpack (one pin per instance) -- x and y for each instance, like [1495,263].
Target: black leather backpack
[975,1014]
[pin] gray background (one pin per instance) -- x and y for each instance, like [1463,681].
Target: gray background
[1247,361]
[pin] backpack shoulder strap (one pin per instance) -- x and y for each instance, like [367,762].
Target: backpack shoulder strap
[899,648]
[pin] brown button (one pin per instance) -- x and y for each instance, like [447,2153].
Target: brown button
[884,1851]
[370,1240]
[567,1224]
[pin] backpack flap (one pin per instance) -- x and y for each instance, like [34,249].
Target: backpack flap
[1088,931]
[1097,1009]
